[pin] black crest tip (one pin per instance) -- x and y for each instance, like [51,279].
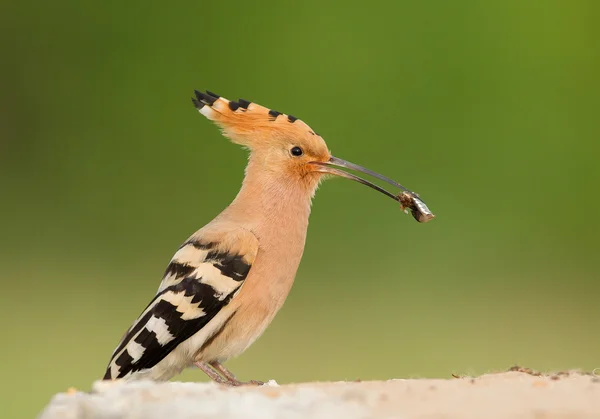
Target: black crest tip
[244,103]
[199,105]
[274,114]
[204,98]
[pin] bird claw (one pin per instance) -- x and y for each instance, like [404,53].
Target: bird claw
[236,383]
[255,383]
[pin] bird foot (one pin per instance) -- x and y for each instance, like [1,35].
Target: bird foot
[237,383]
[249,383]
[227,378]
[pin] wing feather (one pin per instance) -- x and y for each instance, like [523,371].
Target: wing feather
[200,280]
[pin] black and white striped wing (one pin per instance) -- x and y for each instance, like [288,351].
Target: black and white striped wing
[200,280]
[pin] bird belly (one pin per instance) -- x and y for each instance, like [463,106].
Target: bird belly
[241,330]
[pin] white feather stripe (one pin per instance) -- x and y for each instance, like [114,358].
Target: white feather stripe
[160,328]
[221,105]
[208,112]
[190,254]
[209,274]
[150,307]
[184,305]
[114,370]
[135,350]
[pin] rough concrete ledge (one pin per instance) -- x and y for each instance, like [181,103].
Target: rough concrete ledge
[504,395]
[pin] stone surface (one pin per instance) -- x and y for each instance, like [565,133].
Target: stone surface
[515,394]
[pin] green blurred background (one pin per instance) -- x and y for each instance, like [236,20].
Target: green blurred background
[488,109]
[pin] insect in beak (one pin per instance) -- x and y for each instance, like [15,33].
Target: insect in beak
[408,200]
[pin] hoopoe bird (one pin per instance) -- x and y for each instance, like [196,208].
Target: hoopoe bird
[227,281]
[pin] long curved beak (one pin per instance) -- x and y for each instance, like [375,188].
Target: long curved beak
[406,198]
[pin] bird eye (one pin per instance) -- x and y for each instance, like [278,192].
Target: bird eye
[296,151]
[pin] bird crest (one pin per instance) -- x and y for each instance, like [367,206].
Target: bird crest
[249,124]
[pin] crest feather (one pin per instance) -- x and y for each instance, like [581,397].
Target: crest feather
[248,123]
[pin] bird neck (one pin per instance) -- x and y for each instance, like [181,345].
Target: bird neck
[272,205]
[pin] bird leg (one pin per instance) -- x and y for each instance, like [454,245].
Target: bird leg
[223,370]
[232,380]
[213,375]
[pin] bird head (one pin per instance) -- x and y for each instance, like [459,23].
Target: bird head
[283,144]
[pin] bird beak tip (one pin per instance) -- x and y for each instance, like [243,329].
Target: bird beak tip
[408,200]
